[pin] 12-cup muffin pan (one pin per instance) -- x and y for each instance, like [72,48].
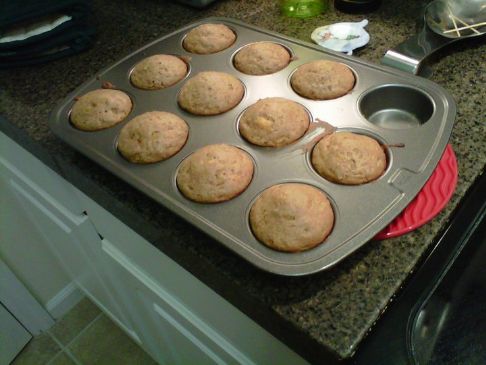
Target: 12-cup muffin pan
[393,107]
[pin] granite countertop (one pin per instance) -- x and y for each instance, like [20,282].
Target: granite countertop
[321,316]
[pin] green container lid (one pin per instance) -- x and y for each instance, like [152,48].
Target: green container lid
[302,8]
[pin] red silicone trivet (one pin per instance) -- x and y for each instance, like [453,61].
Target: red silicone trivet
[433,197]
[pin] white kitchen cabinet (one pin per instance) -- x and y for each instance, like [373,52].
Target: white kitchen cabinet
[54,212]
[28,265]
[171,331]
[180,319]
[169,312]
[13,336]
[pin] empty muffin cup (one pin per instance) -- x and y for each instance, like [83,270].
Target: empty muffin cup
[396,107]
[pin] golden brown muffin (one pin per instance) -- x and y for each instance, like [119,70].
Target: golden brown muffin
[211,93]
[158,72]
[274,122]
[349,158]
[291,217]
[262,58]
[322,80]
[215,173]
[152,137]
[209,38]
[100,109]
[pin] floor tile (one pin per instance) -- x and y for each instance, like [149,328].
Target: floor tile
[74,321]
[104,343]
[62,359]
[38,351]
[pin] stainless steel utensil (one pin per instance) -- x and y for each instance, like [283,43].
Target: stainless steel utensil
[445,21]
[458,18]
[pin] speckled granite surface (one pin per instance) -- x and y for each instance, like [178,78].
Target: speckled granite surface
[319,316]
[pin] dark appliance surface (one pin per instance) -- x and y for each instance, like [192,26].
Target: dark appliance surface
[440,316]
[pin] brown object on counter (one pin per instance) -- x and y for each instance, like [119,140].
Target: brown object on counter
[322,80]
[274,122]
[215,173]
[211,93]
[349,158]
[209,38]
[100,109]
[158,72]
[152,137]
[262,58]
[291,217]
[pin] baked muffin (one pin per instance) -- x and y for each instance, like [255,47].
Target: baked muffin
[349,158]
[158,72]
[152,137]
[274,122]
[211,93]
[261,58]
[322,80]
[291,217]
[100,109]
[215,173]
[209,38]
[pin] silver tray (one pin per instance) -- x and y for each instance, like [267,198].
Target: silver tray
[387,104]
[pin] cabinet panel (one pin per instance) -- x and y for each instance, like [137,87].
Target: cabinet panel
[23,249]
[178,335]
[26,166]
[68,236]
[13,337]
[65,235]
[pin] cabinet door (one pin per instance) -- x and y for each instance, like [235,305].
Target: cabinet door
[172,332]
[13,336]
[157,289]
[67,235]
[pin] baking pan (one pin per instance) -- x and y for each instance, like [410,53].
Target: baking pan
[387,104]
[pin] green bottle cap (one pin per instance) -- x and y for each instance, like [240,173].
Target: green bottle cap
[302,8]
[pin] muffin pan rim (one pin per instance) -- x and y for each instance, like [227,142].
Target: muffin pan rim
[400,181]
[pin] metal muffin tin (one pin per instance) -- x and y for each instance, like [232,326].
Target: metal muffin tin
[387,104]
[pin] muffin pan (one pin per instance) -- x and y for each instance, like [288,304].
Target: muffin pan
[393,107]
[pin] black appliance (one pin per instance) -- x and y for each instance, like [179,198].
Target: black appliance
[440,315]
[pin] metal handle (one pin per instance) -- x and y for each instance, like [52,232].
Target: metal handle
[409,55]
